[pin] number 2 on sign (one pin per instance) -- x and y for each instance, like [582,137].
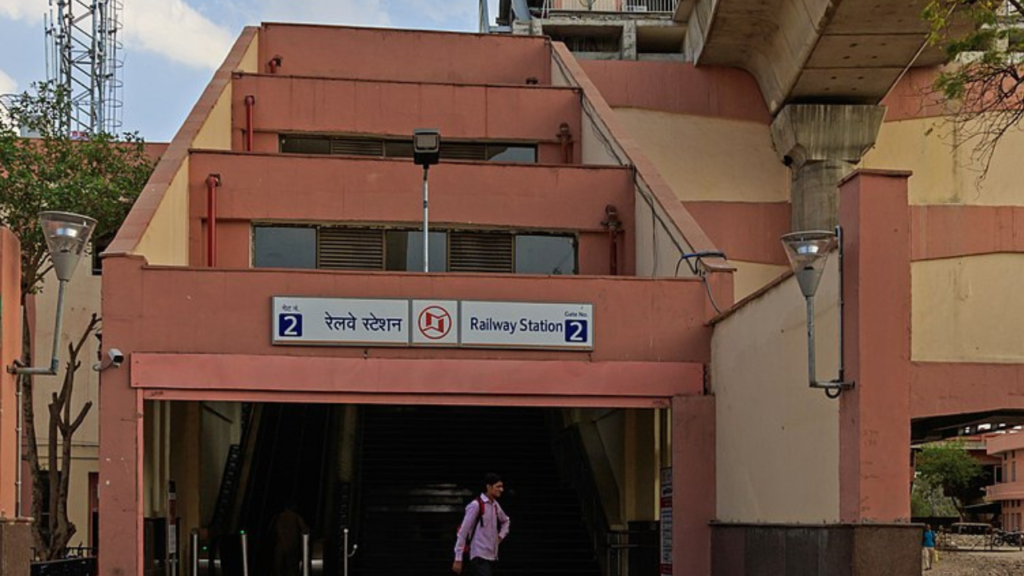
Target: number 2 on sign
[576,331]
[289,325]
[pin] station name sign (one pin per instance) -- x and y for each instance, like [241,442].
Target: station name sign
[299,321]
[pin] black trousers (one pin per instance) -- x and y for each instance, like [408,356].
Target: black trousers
[481,567]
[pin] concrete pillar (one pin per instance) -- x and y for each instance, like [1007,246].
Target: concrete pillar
[821,143]
[874,417]
[693,484]
[629,40]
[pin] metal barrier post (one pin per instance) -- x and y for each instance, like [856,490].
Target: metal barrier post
[245,554]
[305,555]
[193,550]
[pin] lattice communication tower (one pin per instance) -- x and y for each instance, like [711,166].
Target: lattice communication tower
[83,56]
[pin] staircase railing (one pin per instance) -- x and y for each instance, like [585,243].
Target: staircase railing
[574,467]
[613,6]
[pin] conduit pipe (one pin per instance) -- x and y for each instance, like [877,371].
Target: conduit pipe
[212,183]
[565,138]
[274,63]
[250,103]
[614,227]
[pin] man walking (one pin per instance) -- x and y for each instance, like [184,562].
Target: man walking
[483,528]
[928,547]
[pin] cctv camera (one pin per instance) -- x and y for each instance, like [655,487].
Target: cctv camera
[116,357]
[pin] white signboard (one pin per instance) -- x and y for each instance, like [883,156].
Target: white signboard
[343,321]
[435,322]
[527,325]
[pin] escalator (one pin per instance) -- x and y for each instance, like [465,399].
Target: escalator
[420,466]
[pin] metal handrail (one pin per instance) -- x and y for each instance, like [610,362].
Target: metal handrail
[610,6]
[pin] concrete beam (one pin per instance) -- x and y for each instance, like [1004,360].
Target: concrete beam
[821,143]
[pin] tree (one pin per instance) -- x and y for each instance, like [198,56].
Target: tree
[948,465]
[99,176]
[983,84]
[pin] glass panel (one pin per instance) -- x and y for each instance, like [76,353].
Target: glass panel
[405,251]
[546,255]
[305,145]
[512,153]
[283,247]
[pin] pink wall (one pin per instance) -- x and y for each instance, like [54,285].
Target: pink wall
[705,91]
[740,228]
[874,417]
[10,350]
[416,56]
[374,191]
[693,483]
[289,104]
[952,231]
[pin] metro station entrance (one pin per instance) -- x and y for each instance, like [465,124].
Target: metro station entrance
[582,486]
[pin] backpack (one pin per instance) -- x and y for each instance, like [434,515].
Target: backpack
[479,523]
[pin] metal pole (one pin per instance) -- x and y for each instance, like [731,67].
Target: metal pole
[345,554]
[20,448]
[812,373]
[193,547]
[842,366]
[305,555]
[426,224]
[245,554]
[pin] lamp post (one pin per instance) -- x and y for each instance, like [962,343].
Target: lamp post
[426,150]
[808,253]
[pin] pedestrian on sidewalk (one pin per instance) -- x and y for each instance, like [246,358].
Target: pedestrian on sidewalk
[483,528]
[928,547]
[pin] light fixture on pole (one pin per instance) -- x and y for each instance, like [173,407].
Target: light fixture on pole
[808,252]
[426,150]
[66,235]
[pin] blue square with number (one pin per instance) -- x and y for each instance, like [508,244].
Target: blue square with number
[289,325]
[576,331]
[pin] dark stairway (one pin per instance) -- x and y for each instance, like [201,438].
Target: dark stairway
[421,465]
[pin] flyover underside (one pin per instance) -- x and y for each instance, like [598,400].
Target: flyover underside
[845,51]
[947,397]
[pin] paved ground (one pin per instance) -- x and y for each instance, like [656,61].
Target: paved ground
[995,563]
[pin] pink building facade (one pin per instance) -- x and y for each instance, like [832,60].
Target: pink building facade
[1008,489]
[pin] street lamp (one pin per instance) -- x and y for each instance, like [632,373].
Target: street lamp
[808,252]
[66,235]
[426,150]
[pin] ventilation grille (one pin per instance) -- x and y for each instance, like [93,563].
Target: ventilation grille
[350,249]
[476,252]
[357,146]
[463,151]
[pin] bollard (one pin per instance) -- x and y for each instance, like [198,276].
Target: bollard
[305,555]
[193,550]
[245,554]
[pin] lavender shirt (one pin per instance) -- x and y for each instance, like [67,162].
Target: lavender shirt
[484,539]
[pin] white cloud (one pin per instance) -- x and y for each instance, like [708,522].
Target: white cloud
[346,12]
[7,84]
[23,9]
[176,31]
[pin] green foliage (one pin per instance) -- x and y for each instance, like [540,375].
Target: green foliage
[98,176]
[983,83]
[949,467]
[928,501]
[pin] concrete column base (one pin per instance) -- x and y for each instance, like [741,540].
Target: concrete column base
[816,550]
[15,546]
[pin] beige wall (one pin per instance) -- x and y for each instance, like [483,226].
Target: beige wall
[221,426]
[656,248]
[968,309]
[165,241]
[82,298]
[777,446]
[944,174]
[710,158]
[751,276]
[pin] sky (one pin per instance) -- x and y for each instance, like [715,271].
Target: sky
[172,47]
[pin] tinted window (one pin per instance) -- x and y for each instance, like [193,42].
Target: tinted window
[509,153]
[305,145]
[545,255]
[284,247]
[405,251]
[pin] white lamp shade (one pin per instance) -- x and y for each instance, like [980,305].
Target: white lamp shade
[807,252]
[66,235]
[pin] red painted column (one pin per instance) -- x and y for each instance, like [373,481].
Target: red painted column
[121,435]
[874,428]
[10,350]
[693,484]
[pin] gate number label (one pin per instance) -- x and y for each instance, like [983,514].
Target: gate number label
[289,325]
[576,331]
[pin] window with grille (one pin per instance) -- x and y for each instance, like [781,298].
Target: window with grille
[359,248]
[402,148]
